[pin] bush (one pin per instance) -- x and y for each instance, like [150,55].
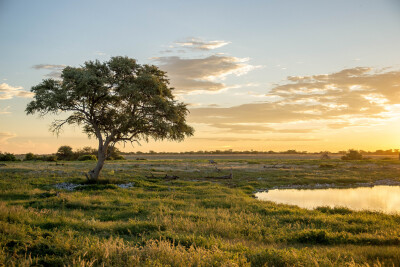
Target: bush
[65,153]
[7,157]
[52,158]
[86,153]
[352,155]
[87,150]
[113,153]
[30,156]
[87,157]
[117,157]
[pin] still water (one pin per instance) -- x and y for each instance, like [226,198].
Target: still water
[378,198]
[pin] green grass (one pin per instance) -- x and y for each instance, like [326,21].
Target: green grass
[191,221]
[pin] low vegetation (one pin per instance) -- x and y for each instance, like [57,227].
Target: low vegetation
[262,152]
[352,155]
[190,220]
[87,157]
[86,153]
[31,156]
[65,153]
[7,157]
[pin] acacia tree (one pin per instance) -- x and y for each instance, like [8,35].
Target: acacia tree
[65,153]
[115,101]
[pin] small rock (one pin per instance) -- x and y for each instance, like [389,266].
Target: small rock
[67,186]
[128,185]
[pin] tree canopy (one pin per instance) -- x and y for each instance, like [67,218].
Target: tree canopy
[115,101]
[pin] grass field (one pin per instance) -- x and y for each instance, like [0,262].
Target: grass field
[195,220]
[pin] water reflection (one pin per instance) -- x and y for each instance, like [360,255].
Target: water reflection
[378,198]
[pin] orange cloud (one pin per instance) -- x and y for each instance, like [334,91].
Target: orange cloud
[346,95]
[7,92]
[191,74]
[199,44]
[4,136]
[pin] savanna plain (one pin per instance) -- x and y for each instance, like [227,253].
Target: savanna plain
[178,211]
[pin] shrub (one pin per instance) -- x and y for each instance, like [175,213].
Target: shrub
[87,150]
[48,158]
[352,155]
[87,157]
[7,157]
[86,153]
[30,156]
[65,153]
[113,153]
[117,157]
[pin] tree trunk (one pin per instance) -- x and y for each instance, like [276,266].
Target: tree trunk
[93,175]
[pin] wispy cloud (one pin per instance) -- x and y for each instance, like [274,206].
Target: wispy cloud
[239,139]
[346,96]
[7,92]
[5,110]
[55,69]
[4,136]
[99,53]
[199,44]
[190,74]
[255,128]
[48,67]
[166,51]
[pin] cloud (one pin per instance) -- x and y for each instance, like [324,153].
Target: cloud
[55,69]
[99,53]
[199,44]
[48,67]
[5,110]
[233,139]
[7,92]
[255,128]
[227,139]
[166,51]
[359,91]
[54,74]
[294,139]
[250,113]
[346,95]
[4,136]
[339,125]
[191,74]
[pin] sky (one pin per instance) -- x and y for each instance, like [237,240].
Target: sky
[256,75]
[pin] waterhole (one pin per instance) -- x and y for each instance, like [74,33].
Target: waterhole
[381,198]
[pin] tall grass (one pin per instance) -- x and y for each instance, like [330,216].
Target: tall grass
[192,221]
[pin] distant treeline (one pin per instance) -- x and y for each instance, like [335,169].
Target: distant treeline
[88,153]
[291,151]
[65,153]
